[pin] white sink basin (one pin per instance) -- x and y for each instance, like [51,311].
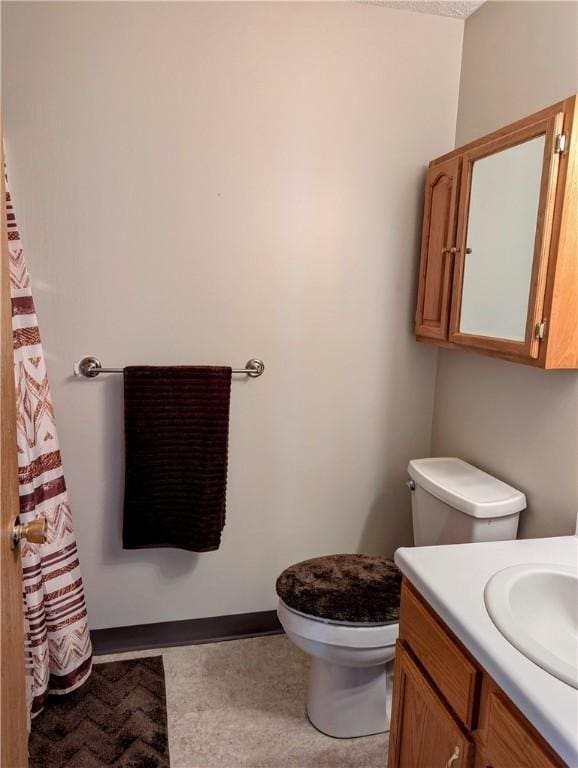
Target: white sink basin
[535,607]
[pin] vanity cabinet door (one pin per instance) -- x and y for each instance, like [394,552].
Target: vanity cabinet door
[509,742]
[438,238]
[507,195]
[423,732]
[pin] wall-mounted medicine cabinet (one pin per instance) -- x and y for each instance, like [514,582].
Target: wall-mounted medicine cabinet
[499,258]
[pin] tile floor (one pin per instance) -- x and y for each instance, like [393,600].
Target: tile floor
[241,704]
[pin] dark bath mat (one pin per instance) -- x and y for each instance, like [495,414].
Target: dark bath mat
[117,718]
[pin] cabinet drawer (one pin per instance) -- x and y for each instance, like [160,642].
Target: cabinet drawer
[445,662]
[509,743]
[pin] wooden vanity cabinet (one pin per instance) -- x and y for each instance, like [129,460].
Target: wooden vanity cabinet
[447,712]
[499,269]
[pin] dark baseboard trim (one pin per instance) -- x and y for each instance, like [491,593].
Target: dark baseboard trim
[214,629]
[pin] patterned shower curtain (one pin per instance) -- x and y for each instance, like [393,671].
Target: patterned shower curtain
[58,649]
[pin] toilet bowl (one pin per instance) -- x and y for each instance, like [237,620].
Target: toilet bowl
[351,671]
[351,677]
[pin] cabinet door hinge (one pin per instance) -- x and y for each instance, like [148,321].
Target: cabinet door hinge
[540,330]
[561,141]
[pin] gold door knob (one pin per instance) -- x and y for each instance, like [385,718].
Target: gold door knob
[34,531]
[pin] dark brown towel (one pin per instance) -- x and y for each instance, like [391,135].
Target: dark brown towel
[176,423]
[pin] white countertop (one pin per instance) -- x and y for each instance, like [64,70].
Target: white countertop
[452,579]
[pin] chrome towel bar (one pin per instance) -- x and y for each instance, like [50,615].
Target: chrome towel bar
[90,366]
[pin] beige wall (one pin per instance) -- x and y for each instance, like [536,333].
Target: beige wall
[519,423]
[210,182]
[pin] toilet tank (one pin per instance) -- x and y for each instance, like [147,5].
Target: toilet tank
[453,502]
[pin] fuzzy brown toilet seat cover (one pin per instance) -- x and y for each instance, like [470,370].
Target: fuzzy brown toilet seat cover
[355,588]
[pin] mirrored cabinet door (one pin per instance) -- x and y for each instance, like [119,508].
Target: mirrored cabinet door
[504,230]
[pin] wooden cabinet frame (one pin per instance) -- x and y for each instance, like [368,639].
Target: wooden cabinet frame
[550,128]
[553,301]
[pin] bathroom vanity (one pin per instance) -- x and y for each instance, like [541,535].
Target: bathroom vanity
[463,695]
[499,257]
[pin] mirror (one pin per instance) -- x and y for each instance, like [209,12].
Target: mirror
[502,219]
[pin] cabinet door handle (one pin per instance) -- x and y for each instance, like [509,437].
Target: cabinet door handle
[454,250]
[455,756]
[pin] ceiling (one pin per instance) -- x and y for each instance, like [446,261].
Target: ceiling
[459,9]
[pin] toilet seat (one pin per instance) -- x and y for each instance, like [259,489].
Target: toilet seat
[338,621]
[337,633]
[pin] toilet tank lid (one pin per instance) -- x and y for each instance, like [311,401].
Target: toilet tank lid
[466,488]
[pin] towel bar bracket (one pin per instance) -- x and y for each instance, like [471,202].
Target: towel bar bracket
[89,367]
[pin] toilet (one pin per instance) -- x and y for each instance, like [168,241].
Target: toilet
[343,610]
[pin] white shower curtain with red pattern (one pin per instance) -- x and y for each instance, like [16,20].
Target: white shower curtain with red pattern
[58,648]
